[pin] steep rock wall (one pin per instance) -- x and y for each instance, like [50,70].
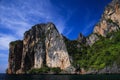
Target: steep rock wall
[42,46]
[15,56]
[110,20]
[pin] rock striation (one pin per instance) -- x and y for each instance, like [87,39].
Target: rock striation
[42,46]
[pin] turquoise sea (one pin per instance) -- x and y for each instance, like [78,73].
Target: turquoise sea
[59,77]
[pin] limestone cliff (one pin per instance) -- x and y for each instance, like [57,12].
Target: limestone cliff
[108,24]
[110,20]
[92,39]
[15,56]
[42,46]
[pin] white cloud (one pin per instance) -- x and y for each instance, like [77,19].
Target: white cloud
[5,40]
[60,25]
[68,31]
[18,27]
[20,15]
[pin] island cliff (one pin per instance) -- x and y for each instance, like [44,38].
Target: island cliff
[43,45]
[109,22]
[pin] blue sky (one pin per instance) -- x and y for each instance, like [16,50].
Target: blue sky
[71,17]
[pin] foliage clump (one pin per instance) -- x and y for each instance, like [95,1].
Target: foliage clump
[104,52]
[44,70]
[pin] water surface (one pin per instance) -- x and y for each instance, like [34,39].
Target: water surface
[59,77]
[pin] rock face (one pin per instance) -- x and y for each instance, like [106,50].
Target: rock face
[56,52]
[110,20]
[15,56]
[110,69]
[92,39]
[34,48]
[81,38]
[42,46]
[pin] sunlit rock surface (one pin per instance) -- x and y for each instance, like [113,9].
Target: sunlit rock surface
[42,46]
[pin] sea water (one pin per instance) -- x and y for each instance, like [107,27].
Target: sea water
[59,77]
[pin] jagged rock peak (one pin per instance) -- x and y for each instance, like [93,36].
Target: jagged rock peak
[42,26]
[114,2]
[81,38]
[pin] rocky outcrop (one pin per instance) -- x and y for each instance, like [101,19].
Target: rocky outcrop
[113,69]
[15,56]
[81,38]
[110,20]
[90,40]
[42,46]
[34,48]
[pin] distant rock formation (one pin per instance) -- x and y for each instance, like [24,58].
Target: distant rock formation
[42,45]
[81,38]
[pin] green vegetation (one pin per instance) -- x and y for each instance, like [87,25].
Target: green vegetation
[75,49]
[103,53]
[44,70]
[55,70]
